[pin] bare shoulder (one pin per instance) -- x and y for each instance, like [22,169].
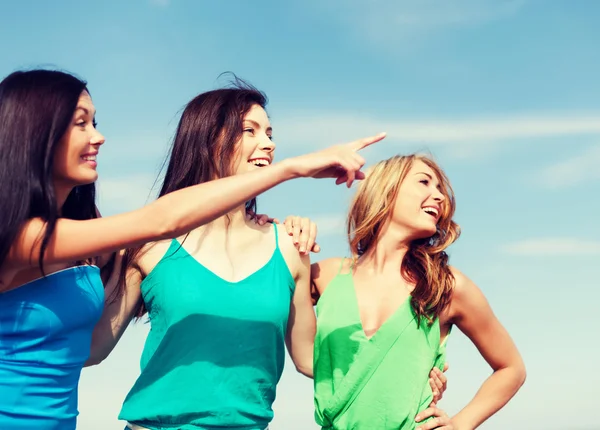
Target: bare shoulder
[466,295]
[286,242]
[150,254]
[462,284]
[293,258]
[324,271]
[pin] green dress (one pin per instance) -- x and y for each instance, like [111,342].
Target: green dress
[371,383]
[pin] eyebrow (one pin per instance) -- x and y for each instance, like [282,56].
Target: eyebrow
[257,125]
[85,110]
[426,174]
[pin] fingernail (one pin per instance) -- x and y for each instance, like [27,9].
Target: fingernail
[302,249]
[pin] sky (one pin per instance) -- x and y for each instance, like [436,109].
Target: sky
[503,93]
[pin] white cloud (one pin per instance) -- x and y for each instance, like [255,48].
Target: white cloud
[330,224]
[126,193]
[467,134]
[553,246]
[390,22]
[572,171]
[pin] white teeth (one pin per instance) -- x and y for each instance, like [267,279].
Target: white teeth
[89,157]
[432,211]
[260,162]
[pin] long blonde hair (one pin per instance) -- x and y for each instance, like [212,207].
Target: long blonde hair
[425,263]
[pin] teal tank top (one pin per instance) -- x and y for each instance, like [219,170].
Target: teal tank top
[215,350]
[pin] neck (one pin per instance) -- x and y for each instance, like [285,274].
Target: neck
[388,252]
[62,192]
[232,220]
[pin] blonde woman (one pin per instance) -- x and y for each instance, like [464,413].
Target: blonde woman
[383,316]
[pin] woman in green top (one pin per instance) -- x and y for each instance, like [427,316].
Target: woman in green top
[383,317]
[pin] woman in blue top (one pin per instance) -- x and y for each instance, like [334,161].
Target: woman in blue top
[52,241]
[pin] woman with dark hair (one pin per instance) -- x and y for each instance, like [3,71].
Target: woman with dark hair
[52,241]
[383,316]
[223,299]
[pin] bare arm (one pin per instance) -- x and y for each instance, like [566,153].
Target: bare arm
[301,329]
[169,216]
[472,314]
[321,274]
[174,213]
[118,313]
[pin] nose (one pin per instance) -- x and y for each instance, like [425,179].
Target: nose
[97,138]
[266,144]
[438,196]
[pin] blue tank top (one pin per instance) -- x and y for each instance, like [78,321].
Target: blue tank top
[45,335]
[215,351]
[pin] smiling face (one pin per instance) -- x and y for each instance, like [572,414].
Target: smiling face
[403,199]
[75,157]
[419,203]
[255,149]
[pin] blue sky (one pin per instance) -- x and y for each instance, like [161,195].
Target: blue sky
[504,93]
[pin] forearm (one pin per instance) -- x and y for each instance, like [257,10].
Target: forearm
[102,345]
[119,310]
[303,358]
[495,392]
[186,209]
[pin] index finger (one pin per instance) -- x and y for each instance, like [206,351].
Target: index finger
[363,143]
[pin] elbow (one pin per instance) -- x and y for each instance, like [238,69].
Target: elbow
[515,375]
[96,357]
[93,361]
[521,375]
[305,370]
[304,365]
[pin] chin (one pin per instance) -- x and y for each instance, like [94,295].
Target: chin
[424,233]
[251,167]
[86,180]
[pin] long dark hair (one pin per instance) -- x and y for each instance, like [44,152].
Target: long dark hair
[204,145]
[36,109]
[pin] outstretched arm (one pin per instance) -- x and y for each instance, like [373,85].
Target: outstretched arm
[174,213]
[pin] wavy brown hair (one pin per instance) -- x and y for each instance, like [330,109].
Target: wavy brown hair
[426,262]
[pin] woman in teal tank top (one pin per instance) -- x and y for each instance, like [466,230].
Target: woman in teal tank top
[383,317]
[222,299]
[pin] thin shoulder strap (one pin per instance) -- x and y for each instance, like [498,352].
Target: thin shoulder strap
[276,236]
[341,265]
